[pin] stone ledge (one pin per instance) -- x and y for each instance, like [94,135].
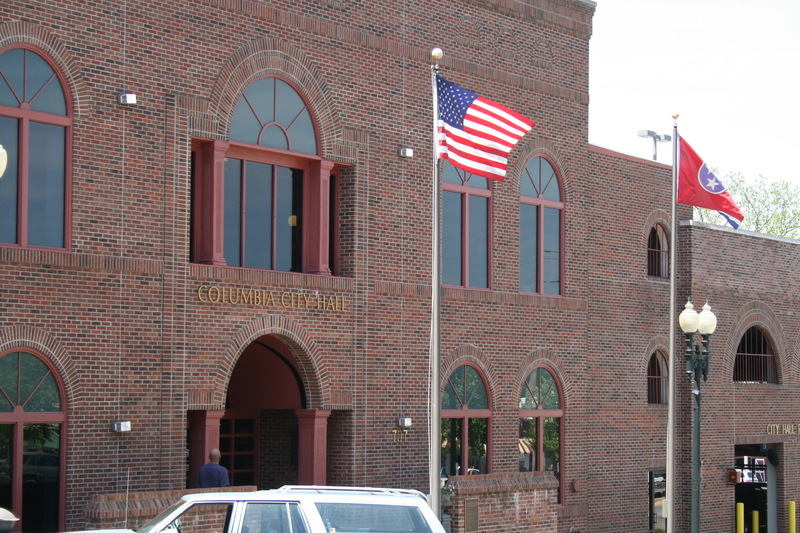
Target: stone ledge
[497,483]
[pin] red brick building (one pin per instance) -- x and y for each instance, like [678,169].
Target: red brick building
[209,239]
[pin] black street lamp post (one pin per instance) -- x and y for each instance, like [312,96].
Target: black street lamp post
[704,323]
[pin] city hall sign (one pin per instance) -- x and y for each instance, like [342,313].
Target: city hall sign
[262,298]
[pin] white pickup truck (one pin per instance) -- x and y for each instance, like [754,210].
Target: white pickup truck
[298,509]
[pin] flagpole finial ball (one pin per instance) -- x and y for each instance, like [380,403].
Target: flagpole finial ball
[436,54]
[675,116]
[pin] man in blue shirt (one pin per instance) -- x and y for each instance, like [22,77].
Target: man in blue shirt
[212,474]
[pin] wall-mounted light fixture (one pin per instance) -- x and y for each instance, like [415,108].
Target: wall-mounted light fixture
[127,99]
[404,422]
[121,426]
[406,152]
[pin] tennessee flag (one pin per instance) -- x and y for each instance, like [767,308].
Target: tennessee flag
[698,186]
[475,133]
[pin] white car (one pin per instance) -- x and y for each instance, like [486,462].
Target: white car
[298,509]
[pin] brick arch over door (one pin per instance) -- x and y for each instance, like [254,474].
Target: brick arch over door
[274,57]
[305,351]
[760,315]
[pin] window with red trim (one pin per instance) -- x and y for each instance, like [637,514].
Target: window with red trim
[264,198]
[540,227]
[465,228]
[32,417]
[540,416]
[465,423]
[35,125]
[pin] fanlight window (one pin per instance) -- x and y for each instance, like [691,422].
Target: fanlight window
[271,113]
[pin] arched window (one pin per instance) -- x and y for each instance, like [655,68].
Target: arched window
[465,423]
[540,228]
[540,415]
[264,199]
[657,377]
[755,359]
[658,253]
[32,417]
[465,228]
[35,126]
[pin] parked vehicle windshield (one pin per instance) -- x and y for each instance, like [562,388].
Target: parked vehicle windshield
[370,518]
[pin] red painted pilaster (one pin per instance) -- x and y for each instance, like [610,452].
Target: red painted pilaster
[203,437]
[209,194]
[312,446]
[317,214]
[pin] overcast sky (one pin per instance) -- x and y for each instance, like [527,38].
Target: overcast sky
[730,68]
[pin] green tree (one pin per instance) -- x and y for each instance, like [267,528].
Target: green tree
[768,206]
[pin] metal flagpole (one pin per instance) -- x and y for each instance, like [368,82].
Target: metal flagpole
[672,296]
[436,307]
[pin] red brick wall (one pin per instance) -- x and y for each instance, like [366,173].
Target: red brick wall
[120,318]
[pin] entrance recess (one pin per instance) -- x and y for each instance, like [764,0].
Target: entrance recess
[756,486]
[267,436]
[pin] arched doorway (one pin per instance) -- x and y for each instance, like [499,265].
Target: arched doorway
[267,434]
[32,418]
[258,432]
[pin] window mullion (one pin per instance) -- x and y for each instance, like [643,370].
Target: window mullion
[540,230]
[464,446]
[22,182]
[273,229]
[243,213]
[465,281]
[540,443]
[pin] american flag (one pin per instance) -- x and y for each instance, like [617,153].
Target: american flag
[474,133]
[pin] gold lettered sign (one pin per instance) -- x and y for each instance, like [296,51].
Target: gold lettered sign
[214,294]
[783,429]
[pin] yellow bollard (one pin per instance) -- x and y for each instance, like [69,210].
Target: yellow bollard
[792,519]
[739,518]
[755,529]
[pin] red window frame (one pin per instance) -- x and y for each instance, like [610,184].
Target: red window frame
[18,418]
[465,414]
[25,115]
[542,188]
[466,192]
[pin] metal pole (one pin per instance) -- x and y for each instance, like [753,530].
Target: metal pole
[436,285]
[696,456]
[672,312]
